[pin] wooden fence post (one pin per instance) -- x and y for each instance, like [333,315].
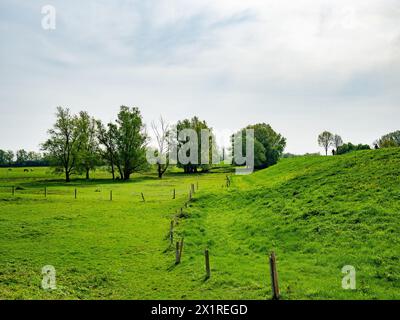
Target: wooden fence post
[143,197]
[177,257]
[75,193]
[171,232]
[274,276]
[174,194]
[180,250]
[228,181]
[110,195]
[207,258]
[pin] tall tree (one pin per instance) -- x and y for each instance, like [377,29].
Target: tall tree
[325,140]
[202,153]
[3,155]
[337,142]
[161,133]
[9,157]
[268,145]
[88,145]
[22,156]
[62,147]
[34,156]
[131,139]
[107,136]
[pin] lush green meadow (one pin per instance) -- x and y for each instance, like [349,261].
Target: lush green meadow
[100,248]
[317,213]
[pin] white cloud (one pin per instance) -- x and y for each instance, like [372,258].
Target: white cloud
[301,65]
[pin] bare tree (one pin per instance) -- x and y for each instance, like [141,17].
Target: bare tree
[325,140]
[161,132]
[337,142]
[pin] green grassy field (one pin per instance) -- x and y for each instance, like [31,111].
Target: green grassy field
[317,213]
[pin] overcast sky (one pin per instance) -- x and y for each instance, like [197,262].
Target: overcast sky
[301,66]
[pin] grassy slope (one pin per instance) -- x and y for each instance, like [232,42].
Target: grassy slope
[318,214]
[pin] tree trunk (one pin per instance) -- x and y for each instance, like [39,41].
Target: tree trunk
[121,173]
[112,169]
[67,176]
[126,174]
[87,174]
[112,166]
[160,173]
[112,172]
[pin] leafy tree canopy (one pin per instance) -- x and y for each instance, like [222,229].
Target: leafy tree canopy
[390,140]
[349,147]
[268,145]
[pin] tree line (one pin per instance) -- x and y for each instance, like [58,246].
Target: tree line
[22,158]
[328,140]
[78,144]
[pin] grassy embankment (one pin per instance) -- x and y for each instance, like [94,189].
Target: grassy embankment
[317,213]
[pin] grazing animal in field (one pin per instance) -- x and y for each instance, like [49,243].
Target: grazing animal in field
[26,170]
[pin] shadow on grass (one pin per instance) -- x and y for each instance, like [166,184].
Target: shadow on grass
[200,173]
[173,266]
[136,178]
[84,182]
